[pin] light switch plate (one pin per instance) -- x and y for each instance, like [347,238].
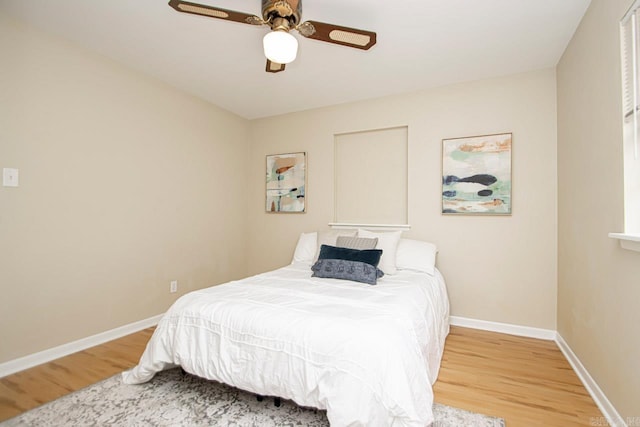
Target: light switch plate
[9,177]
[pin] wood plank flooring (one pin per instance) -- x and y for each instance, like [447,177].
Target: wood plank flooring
[527,382]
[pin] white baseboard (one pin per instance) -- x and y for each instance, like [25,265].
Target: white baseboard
[504,328]
[605,406]
[26,362]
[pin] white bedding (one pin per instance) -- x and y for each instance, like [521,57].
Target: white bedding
[366,354]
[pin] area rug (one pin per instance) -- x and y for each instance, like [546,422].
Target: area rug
[176,399]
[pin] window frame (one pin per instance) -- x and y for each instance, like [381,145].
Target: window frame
[630,74]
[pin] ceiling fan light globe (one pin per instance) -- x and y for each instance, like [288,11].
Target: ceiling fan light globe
[280,47]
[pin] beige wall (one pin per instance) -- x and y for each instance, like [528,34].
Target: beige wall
[125,184]
[598,282]
[500,269]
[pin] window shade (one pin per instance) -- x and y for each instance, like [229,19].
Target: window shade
[371,177]
[630,53]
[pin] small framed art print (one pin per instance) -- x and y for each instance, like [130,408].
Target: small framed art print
[286,182]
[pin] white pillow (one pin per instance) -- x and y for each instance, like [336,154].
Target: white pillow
[306,248]
[388,242]
[330,238]
[416,255]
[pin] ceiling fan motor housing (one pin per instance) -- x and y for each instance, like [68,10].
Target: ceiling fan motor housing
[291,10]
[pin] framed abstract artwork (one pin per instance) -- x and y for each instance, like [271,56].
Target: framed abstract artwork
[476,175]
[286,183]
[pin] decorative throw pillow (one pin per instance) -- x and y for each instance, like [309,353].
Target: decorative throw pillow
[330,238]
[306,248]
[346,270]
[388,242]
[416,255]
[356,242]
[368,256]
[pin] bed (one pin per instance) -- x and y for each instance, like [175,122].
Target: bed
[367,354]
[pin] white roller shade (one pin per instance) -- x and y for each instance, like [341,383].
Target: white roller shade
[371,177]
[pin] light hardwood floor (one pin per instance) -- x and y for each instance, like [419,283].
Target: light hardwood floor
[527,382]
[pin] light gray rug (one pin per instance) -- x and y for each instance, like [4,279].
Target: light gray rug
[176,399]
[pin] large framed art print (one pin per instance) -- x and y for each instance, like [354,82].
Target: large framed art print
[476,175]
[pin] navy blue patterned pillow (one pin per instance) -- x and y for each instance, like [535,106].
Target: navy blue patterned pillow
[347,270]
[368,256]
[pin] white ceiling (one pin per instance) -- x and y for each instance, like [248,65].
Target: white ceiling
[421,44]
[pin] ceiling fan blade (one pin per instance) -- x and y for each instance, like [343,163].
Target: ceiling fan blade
[215,12]
[274,67]
[337,34]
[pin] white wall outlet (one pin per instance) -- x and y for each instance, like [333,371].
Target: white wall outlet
[173,288]
[9,177]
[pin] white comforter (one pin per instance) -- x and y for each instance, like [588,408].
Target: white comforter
[366,354]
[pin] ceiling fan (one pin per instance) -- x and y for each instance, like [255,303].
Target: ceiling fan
[282,16]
